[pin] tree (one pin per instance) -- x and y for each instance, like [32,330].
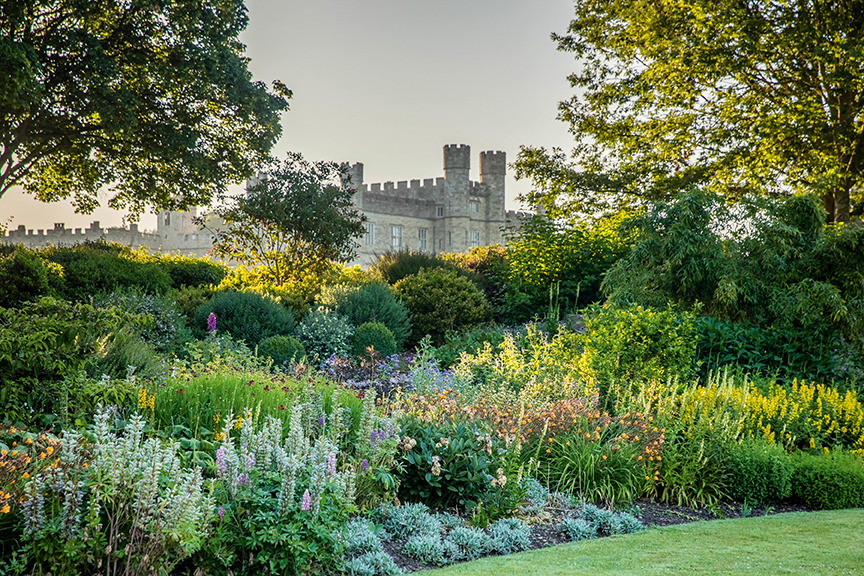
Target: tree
[151,98]
[294,220]
[738,96]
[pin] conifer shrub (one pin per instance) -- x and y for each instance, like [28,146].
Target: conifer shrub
[375,335]
[245,316]
[282,350]
[369,302]
[439,301]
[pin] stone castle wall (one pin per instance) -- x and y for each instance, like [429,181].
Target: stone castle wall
[435,215]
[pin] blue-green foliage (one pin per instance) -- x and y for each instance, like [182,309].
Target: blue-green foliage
[577,529]
[371,302]
[467,543]
[509,535]
[245,316]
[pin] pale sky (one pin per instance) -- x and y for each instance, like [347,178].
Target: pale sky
[389,82]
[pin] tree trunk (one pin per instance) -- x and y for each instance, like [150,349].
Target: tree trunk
[828,203]
[841,203]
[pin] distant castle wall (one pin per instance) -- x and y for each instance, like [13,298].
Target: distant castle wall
[435,215]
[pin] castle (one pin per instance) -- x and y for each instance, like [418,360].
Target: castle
[448,214]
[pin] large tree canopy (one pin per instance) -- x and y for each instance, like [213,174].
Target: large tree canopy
[739,96]
[150,97]
[294,220]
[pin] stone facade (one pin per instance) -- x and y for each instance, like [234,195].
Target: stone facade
[435,215]
[175,232]
[440,215]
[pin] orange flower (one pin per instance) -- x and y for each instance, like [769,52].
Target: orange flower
[49,449]
[25,475]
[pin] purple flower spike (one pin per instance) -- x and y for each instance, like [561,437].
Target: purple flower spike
[331,464]
[211,323]
[221,512]
[306,503]
[320,421]
[221,464]
[242,479]
[364,465]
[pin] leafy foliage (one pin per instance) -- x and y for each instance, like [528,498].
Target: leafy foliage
[772,263]
[245,315]
[440,473]
[43,345]
[543,255]
[324,333]
[368,302]
[828,481]
[392,267]
[375,335]
[283,350]
[439,301]
[747,99]
[24,276]
[759,473]
[293,221]
[86,102]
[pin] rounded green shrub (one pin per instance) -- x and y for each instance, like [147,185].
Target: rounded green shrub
[282,349]
[439,301]
[245,316]
[92,268]
[394,266]
[376,335]
[372,302]
[325,333]
[829,481]
[192,271]
[23,276]
[758,473]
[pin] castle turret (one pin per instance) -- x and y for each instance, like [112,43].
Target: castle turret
[493,173]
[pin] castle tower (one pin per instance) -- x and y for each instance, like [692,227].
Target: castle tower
[352,177]
[493,173]
[457,186]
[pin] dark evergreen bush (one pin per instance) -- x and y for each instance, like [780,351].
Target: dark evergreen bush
[245,316]
[828,481]
[439,301]
[282,349]
[376,335]
[373,302]
[759,473]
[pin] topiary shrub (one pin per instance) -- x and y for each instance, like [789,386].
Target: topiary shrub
[758,473]
[372,302]
[376,335]
[439,301]
[282,349]
[828,481]
[325,333]
[24,276]
[245,316]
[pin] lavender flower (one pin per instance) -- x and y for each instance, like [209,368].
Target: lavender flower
[242,479]
[364,465]
[221,512]
[306,503]
[373,438]
[250,461]
[320,421]
[221,463]
[211,323]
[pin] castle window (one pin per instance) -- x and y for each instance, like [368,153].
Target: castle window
[369,236]
[474,207]
[439,211]
[396,236]
[167,218]
[421,239]
[449,239]
[473,238]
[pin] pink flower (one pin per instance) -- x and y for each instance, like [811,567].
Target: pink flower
[306,503]
[211,323]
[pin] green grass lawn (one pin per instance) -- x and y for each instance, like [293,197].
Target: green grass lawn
[799,543]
